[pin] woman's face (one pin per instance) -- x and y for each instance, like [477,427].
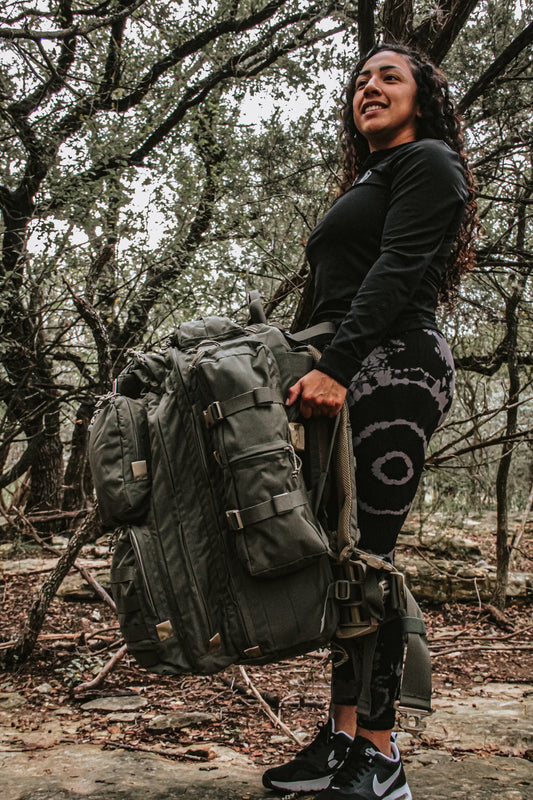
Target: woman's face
[385,107]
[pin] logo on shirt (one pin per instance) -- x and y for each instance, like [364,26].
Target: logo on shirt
[363,178]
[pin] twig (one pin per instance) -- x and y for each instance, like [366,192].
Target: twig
[266,708]
[488,647]
[84,572]
[103,672]
[272,699]
[60,636]
[435,640]
[180,754]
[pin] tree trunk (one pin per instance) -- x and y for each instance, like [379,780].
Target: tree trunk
[512,303]
[78,484]
[46,473]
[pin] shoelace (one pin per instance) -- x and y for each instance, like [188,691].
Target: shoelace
[356,765]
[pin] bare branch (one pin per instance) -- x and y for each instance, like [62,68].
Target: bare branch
[497,67]
[12,34]
[366,25]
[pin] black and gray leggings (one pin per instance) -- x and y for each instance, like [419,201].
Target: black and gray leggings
[400,395]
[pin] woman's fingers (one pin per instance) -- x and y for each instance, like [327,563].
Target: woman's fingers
[294,393]
[319,395]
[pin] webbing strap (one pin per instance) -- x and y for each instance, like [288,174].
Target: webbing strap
[279,504]
[415,691]
[413,625]
[122,574]
[315,330]
[260,396]
[416,683]
[319,491]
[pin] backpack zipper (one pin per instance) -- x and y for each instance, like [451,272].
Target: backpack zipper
[249,634]
[138,558]
[135,433]
[202,606]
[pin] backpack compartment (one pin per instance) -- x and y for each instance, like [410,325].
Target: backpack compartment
[119,459]
[142,607]
[265,496]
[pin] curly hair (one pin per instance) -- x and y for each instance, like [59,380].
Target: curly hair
[438,120]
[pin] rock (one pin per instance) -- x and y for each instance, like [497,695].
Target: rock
[20,566]
[500,722]
[44,688]
[75,589]
[116,703]
[125,717]
[179,719]
[9,700]
[442,542]
[493,721]
[439,580]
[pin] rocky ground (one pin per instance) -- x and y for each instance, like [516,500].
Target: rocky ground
[135,735]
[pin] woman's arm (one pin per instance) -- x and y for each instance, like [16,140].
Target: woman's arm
[427,199]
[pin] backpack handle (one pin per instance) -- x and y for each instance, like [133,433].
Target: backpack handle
[255,306]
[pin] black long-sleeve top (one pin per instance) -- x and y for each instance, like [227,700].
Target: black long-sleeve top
[378,255]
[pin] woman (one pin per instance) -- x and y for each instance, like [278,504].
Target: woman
[395,242]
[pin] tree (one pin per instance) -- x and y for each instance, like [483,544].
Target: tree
[134,193]
[93,97]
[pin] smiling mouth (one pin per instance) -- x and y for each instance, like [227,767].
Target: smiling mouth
[373,107]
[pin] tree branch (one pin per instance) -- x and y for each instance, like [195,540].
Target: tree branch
[12,34]
[497,67]
[101,338]
[23,646]
[365,25]
[397,17]
[436,34]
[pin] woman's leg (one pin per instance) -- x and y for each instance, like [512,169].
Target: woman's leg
[400,395]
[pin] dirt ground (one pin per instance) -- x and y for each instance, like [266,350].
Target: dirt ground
[470,647]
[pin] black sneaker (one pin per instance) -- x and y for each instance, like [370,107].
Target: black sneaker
[368,775]
[313,768]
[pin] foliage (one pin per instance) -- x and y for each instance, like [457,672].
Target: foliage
[162,157]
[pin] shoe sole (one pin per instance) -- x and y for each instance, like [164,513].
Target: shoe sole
[315,785]
[403,793]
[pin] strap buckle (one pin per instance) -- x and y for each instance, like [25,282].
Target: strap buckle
[373,561]
[342,590]
[213,414]
[412,719]
[234,519]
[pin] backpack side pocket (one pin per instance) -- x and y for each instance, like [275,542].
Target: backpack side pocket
[119,459]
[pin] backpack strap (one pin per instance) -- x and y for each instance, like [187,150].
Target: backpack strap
[415,693]
[315,330]
[373,591]
[239,518]
[260,396]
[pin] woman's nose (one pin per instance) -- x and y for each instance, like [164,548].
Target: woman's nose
[371,86]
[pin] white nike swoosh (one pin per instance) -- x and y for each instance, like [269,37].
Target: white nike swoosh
[381,788]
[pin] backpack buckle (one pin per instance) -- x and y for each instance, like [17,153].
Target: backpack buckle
[412,719]
[213,414]
[342,590]
[234,519]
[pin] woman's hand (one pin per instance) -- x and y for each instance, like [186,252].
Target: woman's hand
[320,395]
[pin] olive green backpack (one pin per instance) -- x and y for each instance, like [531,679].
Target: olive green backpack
[235,519]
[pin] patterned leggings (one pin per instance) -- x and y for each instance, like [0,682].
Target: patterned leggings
[402,392]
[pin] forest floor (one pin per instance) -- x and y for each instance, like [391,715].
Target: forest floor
[478,657]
